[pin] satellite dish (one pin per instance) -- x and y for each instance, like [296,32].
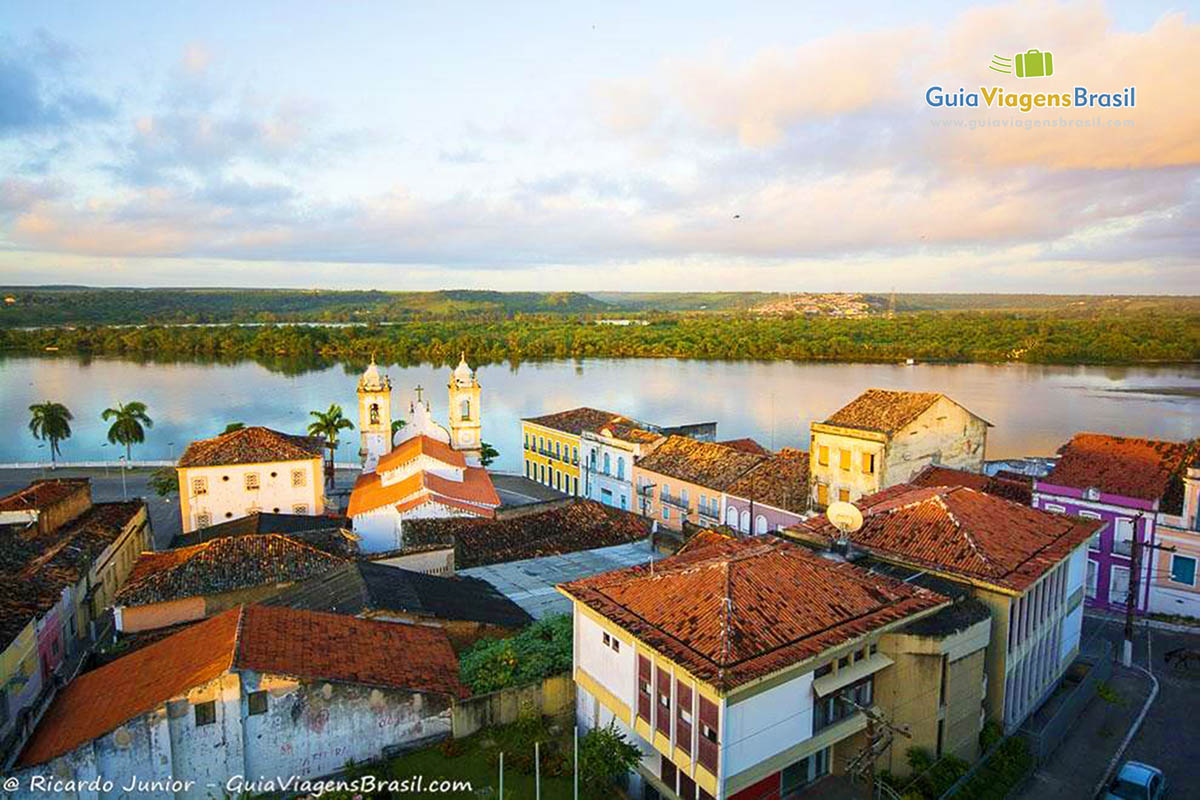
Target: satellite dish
[845,517]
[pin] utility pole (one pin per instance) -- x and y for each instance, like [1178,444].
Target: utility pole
[1135,574]
[880,733]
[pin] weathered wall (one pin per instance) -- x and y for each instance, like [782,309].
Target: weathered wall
[944,434]
[226,496]
[553,697]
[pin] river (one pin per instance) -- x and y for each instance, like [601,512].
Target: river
[1034,408]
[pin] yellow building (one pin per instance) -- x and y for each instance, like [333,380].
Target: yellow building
[748,668]
[551,446]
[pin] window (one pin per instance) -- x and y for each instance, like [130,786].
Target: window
[606,639]
[621,468]
[251,479]
[1123,537]
[823,670]
[1057,509]
[822,494]
[841,704]
[374,413]
[868,463]
[203,519]
[465,409]
[760,524]
[574,485]
[744,527]
[1183,570]
[643,708]
[298,478]
[257,703]
[527,441]
[844,459]
[663,720]
[206,713]
[844,495]
[1118,585]
[300,508]
[607,463]
[199,486]
[528,466]
[683,716]
[709,740]
[823,456]
[683,497]
[666,513]
[574,455]
[1093,576]
[843,662]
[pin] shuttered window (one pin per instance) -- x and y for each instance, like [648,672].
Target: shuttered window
[662,720]
[709,740]
[683,717]
[644,686]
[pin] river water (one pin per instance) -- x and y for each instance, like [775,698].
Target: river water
[1034,408]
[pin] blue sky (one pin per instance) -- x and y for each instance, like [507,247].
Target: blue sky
[623,146]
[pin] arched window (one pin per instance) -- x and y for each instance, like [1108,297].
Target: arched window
[621,467]
[607,463]
[465,412]
[760,524]
[745,526]
[731,517]
[374,413]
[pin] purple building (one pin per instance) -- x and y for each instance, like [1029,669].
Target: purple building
[1123,482]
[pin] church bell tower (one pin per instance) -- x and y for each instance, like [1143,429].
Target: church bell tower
[465,412]
[374,416]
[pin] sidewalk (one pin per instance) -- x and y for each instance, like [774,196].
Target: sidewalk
[1082,759]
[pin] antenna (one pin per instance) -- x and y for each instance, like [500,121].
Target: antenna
[846,518]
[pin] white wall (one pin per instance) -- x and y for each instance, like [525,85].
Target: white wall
[615,671]
[1077,570]
[226,496]
[767,723]
[1071,632]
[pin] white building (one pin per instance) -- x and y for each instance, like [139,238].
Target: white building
[608,456]
[247,471]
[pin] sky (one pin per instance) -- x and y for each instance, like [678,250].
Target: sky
[617,146]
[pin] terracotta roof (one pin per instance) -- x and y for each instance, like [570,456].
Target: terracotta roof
[628,430]
[746,445]
[576,420]
[963,532]
[1141,468]
[417,446]
[474,493]
[779,481]
[42,493]
[1010,488]
[300,644]
[262,522]
[730,612]
[708,464]
[580,525]
[222,565]
[884,410]
[253,445]
[35,568]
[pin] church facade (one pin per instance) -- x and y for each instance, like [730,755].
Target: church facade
[423,469]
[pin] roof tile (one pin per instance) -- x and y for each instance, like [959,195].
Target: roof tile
[253,445]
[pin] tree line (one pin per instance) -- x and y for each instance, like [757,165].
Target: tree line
[994,337]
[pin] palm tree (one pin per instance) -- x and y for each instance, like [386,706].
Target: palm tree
[233,426]
[487,454]
[51,422]
[329,424]
[129,425]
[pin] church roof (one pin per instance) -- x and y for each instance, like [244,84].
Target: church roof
[420,445]
[372,380]
[253,445]
[474,493]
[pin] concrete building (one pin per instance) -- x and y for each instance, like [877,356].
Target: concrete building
[257,692]
[62,559]
[745,668]
[882,438]
[1175,588]
[608,457]
[771,495]
[1027,566]
[249,470]
[1126,483]
[685,479]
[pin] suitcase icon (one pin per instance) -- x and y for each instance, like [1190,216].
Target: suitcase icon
[1034,64]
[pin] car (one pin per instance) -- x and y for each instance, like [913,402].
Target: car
[1137,781]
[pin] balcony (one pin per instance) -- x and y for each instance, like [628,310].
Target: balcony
[673,500]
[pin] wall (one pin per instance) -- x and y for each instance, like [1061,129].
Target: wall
[228,498]
[767,723]
[944,434]
[854,481]
[431,562]
[773,518]
[542,457]
[652,505]
[1181,531]
[161,615]
[553,697]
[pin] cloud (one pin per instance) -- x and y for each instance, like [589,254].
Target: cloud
[38,93]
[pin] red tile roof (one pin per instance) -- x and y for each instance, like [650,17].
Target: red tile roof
[474,493]
[42,493]
[731,611]
[307,645]
[962,532]
[884,410]
[746,445]
[417,446]
[1140,468]
[714,466]
[576,420]
[1010,487]
[253,445]
[779,481]
[222,565]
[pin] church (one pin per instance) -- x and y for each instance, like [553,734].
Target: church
[422,469]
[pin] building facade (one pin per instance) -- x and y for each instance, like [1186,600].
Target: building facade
[771,496]
[608,458]
[882,438]
[1127,484]
[551,446]
[684,480]
[247,471]
[1175,587]
[787,704]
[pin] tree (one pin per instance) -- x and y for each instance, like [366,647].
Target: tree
[50,422]
[233,426]
[164,481]
[329,424]
[487,454]
[605,756]
[397,424]
[130,421]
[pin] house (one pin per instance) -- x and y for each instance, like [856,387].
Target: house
[169,587]
[551,445]
[685,479]
[1175,588]
[427,469]
[1009,485]
[62,559]
[466,608]
[249,470]
[882,438]
[1027,566]
[773,493]
[609,454]
[257,692]
[746,668]
[262,522]
[1126,483]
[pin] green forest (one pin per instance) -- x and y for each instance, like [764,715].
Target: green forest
[973,336]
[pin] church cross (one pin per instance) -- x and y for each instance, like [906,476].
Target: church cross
[418,390]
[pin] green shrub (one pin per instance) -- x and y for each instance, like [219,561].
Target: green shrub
[604,757]
[541,650]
